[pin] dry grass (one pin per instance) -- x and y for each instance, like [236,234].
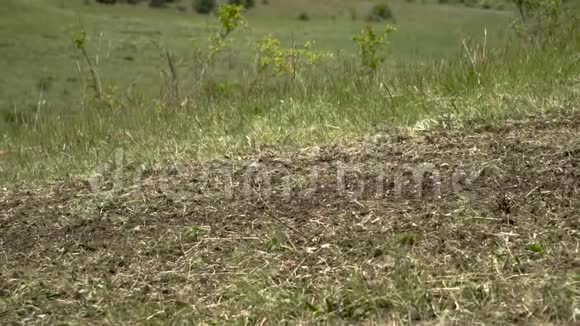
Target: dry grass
[462,218]
[175,247]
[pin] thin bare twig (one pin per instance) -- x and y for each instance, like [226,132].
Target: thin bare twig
[174,76]
[97,86]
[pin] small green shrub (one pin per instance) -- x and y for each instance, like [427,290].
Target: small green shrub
[380,12]
[303,16]
[230,17]
[274,58]
[204,6]
[370,43]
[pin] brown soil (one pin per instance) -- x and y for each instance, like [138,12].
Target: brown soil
[492,235]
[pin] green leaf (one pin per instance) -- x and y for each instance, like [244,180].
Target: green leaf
[80,40]
[310,307]
[537,248]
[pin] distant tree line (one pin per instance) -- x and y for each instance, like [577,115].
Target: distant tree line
[200,6]
[207,6]
[152,3]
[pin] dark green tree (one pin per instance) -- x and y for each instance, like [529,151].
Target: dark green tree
[246,3]
[204,6]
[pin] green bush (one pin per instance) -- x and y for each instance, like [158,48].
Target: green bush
[485,5]
[112,2]
[303,16]
[204,6]
[157,3]
[470,3]
[370,44]
[380,12]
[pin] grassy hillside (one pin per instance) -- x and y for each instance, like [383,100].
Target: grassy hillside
[39,50]
[441,60]
[229,178]
[45,87]
[172,247]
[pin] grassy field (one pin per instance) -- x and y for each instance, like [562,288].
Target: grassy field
[41,65]
[440,189]
[42,32]
[174,247]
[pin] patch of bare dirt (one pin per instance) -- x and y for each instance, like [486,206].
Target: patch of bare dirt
[487,221]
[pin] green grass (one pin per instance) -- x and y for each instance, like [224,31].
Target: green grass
[38,46]
[234,111]
[126,250]
[113,252]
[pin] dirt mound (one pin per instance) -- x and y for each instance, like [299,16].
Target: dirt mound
[444,226]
